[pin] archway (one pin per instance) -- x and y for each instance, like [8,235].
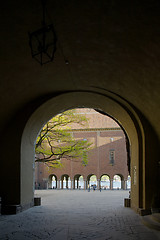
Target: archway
[52,181]
[65,180]
[129,182]
[81,182]
[92,181]
[105,182]
[117,181]
[78,182]
[121,111]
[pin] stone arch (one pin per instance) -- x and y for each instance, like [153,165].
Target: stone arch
[64,181]
[105,183]
[76,182]
[50,181]
[118,180]
[92,182]
[111,104]
[81,182]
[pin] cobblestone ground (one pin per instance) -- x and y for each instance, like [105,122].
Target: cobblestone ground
[77,215]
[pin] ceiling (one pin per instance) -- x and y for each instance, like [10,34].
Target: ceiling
[110,45]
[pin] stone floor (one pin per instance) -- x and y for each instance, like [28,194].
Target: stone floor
[77,215]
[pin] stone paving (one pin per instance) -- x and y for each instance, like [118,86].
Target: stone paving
[77,215]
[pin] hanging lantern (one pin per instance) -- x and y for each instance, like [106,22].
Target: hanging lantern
[43,42]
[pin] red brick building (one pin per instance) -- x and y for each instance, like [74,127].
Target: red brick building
[107,161]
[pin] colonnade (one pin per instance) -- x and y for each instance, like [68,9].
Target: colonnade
[74,184]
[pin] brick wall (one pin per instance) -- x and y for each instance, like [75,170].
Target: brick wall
[108,137]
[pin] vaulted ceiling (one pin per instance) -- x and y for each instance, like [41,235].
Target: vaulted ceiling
[109,45]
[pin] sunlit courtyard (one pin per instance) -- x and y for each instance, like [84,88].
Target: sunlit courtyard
[77,214]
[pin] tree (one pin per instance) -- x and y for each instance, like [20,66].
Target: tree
[56,141]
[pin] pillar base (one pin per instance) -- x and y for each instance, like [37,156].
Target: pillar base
[10,209]
[14,209]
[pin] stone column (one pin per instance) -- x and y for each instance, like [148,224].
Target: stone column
[58,184]
[66,182]
[98,184]
[125,184]
[85,184]
[77,183]
[88,183]
[111,184]
[72,184]
[62,183]
[122,184]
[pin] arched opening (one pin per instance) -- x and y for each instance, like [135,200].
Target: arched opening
[129,182]
[105,182]
[65,180]
[81,182]
[56,146]
[78,182]
[92,181]
[52,182]
[120,111]
[117,182]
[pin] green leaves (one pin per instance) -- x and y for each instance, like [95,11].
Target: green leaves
[85,158]
[56,140]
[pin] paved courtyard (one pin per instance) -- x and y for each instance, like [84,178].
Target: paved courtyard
[77,215]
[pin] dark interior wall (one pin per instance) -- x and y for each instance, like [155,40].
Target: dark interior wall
[111,45]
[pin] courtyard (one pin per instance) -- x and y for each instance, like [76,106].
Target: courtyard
[77,215]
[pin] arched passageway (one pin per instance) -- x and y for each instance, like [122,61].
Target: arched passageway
[52,181]
[117,182]
[92,100]
[129,182]
[65,182]
[105,182]
[81,182]
[92,181]
[78,182]
[110,104]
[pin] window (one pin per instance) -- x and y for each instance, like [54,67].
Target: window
[111,156]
